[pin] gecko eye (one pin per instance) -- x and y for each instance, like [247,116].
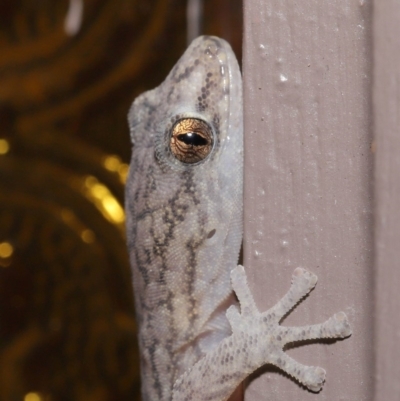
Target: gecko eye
[191,140]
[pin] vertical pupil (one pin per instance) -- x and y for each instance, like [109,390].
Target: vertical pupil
[193,139]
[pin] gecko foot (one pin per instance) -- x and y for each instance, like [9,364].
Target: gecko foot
[265,339]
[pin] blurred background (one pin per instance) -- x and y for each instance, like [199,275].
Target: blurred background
[69,70]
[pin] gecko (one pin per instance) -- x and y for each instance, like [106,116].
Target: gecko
[200,331]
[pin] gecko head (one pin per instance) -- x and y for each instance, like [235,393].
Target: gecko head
[191,116]
[184,189]
[186,168]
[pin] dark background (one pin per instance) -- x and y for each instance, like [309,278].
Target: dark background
[67,329]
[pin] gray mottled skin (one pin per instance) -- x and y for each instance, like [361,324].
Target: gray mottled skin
[181,278]
[184,224]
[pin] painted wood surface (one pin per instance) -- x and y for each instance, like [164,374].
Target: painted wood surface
[308,180]
[386,112]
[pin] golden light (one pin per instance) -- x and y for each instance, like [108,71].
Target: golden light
[99,191]
[113,208]
[88,236]
[114,164]
[90,181]
[33,397]
[104,200]
[4,146]
[6,250]
[123,172]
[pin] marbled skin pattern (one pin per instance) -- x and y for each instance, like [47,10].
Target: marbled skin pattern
[181,277]
[184,227]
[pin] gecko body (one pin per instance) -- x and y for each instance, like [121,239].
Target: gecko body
[184,226]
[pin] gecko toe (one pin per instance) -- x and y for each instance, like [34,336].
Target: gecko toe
[343,325]
[301,274]
[314,378]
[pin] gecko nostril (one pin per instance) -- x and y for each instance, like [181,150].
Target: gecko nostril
[211,233]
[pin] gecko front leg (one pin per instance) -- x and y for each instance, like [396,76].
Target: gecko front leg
[258,339]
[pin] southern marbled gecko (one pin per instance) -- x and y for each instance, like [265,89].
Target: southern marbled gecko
[184,222]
